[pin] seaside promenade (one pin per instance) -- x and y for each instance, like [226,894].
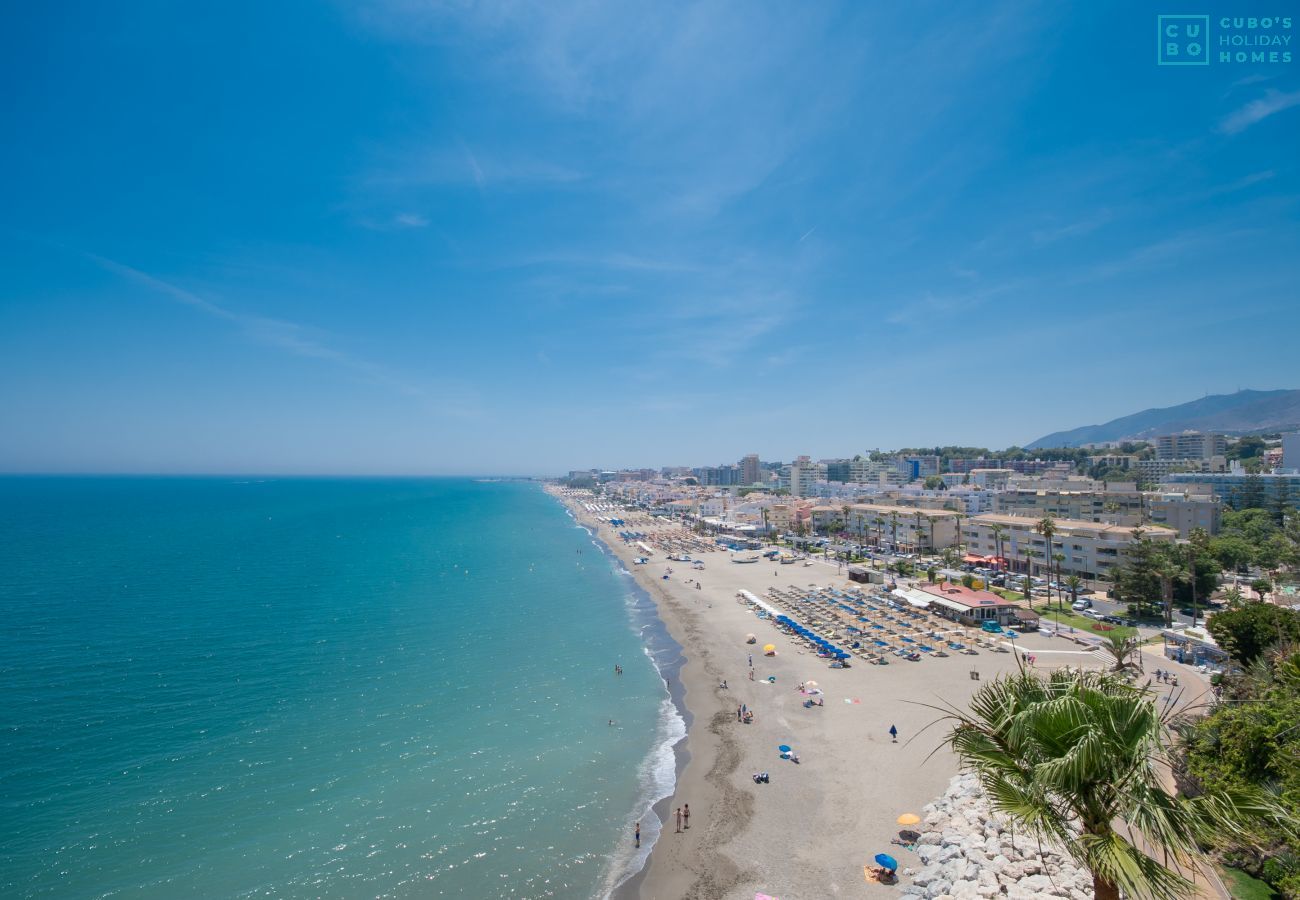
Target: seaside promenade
[812,829]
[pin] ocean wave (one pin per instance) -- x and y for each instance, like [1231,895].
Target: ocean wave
[657,777]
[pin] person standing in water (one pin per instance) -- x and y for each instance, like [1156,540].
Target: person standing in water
[637,837]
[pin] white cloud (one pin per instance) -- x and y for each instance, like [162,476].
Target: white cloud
[1258,110]
[289,337]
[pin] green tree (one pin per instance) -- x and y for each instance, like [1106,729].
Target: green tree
[1079,759]
[1248,742]
[1252,494]
[1073,583]
[998,532]
[1046,526]
[1122,649]
[1281,504]
[1246,630]
[1232,552]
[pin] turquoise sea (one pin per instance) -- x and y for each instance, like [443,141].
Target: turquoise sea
[226,687]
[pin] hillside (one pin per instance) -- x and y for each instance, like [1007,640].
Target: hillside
[1245,412]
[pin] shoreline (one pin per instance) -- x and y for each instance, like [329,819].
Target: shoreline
[628,885]
[706,757]
[811,830]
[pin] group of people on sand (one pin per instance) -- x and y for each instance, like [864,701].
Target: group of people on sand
[744,714]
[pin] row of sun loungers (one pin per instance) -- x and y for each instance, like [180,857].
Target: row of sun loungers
[877,624]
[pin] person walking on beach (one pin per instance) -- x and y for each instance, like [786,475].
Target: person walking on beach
[893,734]
[679,820]
[638,834]
[686,815]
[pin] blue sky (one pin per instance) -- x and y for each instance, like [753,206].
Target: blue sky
[407,237]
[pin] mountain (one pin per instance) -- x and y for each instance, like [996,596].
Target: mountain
[1245,412]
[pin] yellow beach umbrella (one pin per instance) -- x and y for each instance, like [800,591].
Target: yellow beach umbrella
[769,648]
[909,819]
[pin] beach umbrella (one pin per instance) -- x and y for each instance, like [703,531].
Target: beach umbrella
[887,861]
[784,748]
[748,636]
[909,819]
[768,648]
[810,684]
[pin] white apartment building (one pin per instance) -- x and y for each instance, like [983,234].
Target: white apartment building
[1184,511]
[904,528]
[1117,503]
[1291,451]
[1091,549]
[1191,445]
[991,479]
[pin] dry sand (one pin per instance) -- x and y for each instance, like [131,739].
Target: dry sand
[810,832]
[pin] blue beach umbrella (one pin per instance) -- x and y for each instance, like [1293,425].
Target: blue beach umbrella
[884,859]
[784,748]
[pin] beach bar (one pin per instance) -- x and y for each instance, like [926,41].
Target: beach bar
[969,606]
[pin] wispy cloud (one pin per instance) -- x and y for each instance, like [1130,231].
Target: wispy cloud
[289,337]
[1074,229]
[460,165]
[1258,110]
[922,311]
[1240,184]
[397,222]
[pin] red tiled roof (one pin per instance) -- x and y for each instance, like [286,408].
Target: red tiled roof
[964,595]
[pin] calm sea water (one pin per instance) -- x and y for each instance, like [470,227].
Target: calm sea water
[318,688]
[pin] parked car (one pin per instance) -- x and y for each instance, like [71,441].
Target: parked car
[1081,604]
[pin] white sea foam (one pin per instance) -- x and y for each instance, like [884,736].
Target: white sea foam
[657,778]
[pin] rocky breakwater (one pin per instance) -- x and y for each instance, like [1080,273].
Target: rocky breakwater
[967,851]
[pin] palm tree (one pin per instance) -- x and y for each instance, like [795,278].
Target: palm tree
[1167,568]
[1059,558]
[1197,545]
[1073,582]
[916,532]
[1029,579]
[1046,526]
[893,524]
[998,533]
[930,520]
[1081,759]
[1121,649]
[765,525]
[960,516]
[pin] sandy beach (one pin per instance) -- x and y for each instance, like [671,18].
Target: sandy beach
[811,830]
